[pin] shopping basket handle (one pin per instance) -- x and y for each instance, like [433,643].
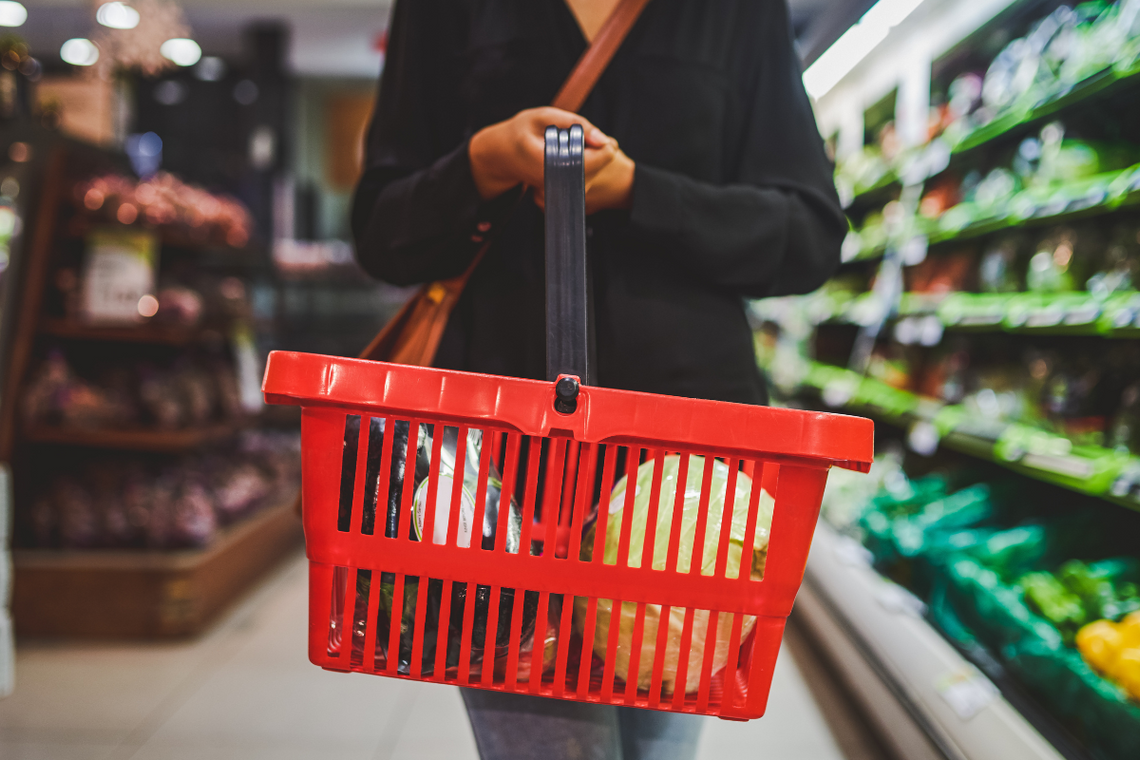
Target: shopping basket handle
[567,348]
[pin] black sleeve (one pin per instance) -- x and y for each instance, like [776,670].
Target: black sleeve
[416,211]
[778,227]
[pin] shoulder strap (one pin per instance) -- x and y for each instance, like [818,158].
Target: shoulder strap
[598,55]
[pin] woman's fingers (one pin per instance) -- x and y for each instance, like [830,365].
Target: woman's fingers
[549,116]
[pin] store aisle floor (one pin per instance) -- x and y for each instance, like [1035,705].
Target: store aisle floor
[247,692]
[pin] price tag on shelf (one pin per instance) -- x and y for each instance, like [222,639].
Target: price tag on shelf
[851,553]
[118,273]
[967,692]
[894,598]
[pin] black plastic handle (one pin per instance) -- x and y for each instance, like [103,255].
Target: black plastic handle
[567,341]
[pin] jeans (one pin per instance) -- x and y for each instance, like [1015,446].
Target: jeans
[518,727]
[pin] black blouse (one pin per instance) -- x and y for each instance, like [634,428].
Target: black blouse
[732,196]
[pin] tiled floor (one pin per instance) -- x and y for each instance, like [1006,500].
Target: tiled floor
[246,691]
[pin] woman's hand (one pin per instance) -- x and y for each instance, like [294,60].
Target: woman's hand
[513,152]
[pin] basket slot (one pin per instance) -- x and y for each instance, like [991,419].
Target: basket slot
[589,632]
[626,515]
[728,512]
[516,633]
[611,650]
[361,471]
[611,454]
[698,548]
[373,655]
[582,494]
[394,627]
[403,530]
[553,487]
[569,488]
[685,646]
[707,664]
[538,648]
[454,516]
[490,642]
[565,632]
[756,471]
[649,544]
[443,639]
[678,512]
[660,650]
[348,613]
[420,615]
[478,532]
[731,668]
[348,471]
[427,529]
[534,460]
[359,622]
[632,673]
[336,610]
[471,592]
[376,487]
[510,476]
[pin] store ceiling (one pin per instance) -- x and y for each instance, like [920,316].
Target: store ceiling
[338,37]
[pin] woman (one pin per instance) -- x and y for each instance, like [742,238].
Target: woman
[707,183]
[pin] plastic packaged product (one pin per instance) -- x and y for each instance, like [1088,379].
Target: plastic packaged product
[468,483]
[737,561]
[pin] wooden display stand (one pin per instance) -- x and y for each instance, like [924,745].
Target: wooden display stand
[115,593]
[147,594]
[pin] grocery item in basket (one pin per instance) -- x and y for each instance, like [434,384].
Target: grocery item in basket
[446,482]
[637,546]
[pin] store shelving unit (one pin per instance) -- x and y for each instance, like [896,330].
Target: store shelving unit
[928,697]
[121,593]
[147,594]
[927,700]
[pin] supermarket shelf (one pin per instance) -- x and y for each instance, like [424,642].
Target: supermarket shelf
[132,439]
[1101,84]
[1090,470]
[1096,196]
[1079,313]
[1106,82]
[142,593]
[165,335]
[927,699]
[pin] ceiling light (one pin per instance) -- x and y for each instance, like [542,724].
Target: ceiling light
[851,48]
[12,13]
[79,52]
[181,50]
[117,16]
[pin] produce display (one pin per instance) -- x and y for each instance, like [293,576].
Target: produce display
[1113,649]
[544,634]
[160,503]
[165,201]
[1047,589]
[190,390]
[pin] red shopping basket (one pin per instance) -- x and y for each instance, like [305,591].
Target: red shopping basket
[464,528]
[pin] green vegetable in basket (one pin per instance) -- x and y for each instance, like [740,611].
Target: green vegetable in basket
[707,556]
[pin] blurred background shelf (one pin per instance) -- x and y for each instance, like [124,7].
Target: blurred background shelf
[167,335]
[131,594]
[164,441]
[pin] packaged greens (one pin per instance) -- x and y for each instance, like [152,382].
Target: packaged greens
[660,542]
[465,533]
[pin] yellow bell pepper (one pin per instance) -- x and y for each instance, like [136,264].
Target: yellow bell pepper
[1100,643]
[1127,671]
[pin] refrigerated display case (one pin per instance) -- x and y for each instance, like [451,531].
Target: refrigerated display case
[986,316]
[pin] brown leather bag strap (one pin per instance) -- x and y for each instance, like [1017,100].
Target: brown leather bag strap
[598,55]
